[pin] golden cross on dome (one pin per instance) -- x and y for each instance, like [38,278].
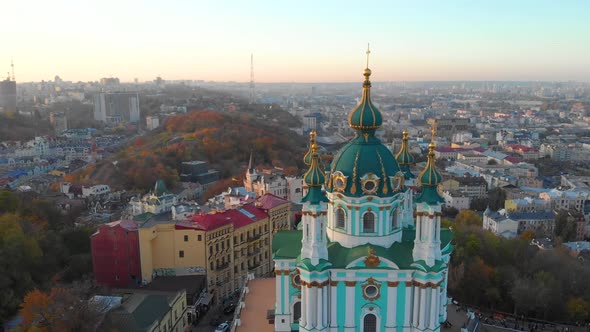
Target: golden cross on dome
[368,52]
[433,131]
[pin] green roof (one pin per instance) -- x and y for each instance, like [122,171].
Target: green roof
[364,154]
[160,188]
[430,196]
[430,176]
[404,157]
[287,245]
[365,116]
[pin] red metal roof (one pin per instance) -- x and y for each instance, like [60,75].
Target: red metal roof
[269,201]
[239,217]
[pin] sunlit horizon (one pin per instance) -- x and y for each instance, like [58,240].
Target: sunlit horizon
[303,42]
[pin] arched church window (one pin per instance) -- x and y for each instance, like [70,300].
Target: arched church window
[368,222]
[340,218]
[296,312]
[394,219]
[370,323]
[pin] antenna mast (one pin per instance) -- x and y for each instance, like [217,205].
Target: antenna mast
[12,67]
[252,94]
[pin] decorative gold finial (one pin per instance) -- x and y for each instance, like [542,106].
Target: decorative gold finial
[314,148]
[367,71]
[405,134]
[312,135]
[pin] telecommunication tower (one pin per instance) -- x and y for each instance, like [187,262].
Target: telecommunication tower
[12,67]
[252,93]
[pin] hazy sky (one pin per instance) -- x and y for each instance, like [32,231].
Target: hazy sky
[296,41]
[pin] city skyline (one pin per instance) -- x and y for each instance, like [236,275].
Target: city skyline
[303,42]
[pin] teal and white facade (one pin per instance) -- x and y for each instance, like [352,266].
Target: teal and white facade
[367,255]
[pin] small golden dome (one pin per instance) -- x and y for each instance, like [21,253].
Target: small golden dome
[367,72]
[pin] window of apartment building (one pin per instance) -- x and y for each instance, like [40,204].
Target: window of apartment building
[199,238]
[210,250]
[242,237]
[265,228]
[235,269]
[181,253]
[222,245]
[186,238]
[235,240]
[265,254]
[217,247]
[259,229]
[211,265]
[227,242]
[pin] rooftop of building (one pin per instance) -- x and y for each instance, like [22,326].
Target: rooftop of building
[287,245]
[139,311]
[260,298]
[270,201]
[239,217]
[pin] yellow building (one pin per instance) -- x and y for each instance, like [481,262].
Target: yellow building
[226,246]
[168,249]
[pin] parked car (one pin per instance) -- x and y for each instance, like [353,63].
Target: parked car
[229,309]
[223,327]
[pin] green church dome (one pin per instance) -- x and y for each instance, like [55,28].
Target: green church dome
[429,179]
[404,158]
[314,178]
[364,165]
[365,116]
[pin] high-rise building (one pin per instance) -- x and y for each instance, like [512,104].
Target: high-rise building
[59,121]
[8,95]
[116,107]
[363,259]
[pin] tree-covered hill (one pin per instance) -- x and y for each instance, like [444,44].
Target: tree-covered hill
[223,139]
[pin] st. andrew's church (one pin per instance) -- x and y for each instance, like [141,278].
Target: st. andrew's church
[370,254]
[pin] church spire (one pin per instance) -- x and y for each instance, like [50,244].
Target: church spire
[307,157]
[314,179]
[430,178]
[404,158]
[366,116]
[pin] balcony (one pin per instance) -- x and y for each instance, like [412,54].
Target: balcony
[254,252]
[222,266]
[254,237]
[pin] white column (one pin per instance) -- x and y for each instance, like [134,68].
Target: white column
[325,305]
[311,310]
[422,321]
[320,309]
[391,306]
[278,289]
[416,311]
[333,304]
[350,314]
[287,280]
[433,308]
[304,298]
[408,311]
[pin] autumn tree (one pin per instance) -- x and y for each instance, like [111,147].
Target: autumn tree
[468,217]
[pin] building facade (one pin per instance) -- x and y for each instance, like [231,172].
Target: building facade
[115,254]
[116,107]
[355,264]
